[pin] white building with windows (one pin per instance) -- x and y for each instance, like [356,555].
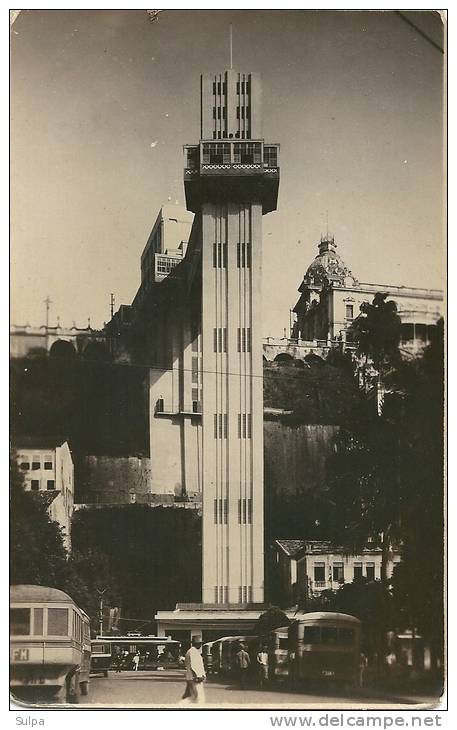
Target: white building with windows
[330,299]
[47,467]
[306,568]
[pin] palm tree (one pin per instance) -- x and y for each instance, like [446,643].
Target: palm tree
[377,332]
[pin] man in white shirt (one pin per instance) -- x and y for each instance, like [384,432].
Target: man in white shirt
[195,674]
[262,664]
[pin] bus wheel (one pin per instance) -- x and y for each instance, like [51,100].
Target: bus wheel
[85,687]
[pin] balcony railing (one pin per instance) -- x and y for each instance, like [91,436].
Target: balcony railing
[256,155]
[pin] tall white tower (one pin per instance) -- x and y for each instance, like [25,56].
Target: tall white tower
[231,181]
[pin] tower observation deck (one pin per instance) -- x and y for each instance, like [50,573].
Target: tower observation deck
[232,160]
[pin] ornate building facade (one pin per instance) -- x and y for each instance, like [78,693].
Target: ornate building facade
[331,295]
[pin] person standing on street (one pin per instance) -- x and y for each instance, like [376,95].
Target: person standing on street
[262,666]
[195,675]
[136,661]
[243,663]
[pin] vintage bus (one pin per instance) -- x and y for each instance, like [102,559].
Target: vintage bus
[324,646]
[156,652]
[49,644]
[231,646]
[207,656]
[278,653]
[101,657]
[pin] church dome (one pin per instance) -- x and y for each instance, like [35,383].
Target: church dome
[328,265]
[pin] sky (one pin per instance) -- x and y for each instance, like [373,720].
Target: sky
[102,102]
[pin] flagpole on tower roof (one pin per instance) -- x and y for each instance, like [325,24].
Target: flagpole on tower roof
[231,46]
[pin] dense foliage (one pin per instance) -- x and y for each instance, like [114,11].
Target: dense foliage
[377,331]
[317,392]
[386,479]
[100,406]
[272,618]
[148,558]
[37,553]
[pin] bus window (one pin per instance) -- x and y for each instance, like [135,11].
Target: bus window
[329,635]
[346,636]
[20,621]
[38,621]
[57,621]
[312,635]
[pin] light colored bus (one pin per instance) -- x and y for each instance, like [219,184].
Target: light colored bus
[156,652]
[49,645]
[278,653]
[101,657]
[325,646]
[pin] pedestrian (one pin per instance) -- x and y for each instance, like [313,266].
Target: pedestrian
[391,661]
[195,675]
[136,661]
[363,663]
[243,663]
[262,666]
[118,662]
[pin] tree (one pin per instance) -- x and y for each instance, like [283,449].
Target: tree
[37,552]
[273,618]
[386,478]
[377,332]
[364,490]
[418,580]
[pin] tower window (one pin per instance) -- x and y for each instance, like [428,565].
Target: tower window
[243,255]
[220,425]
[244,339]
[220,339]
[220,255]
[244,425]
[247,152]
[349,311]
[270,156]
[216,153]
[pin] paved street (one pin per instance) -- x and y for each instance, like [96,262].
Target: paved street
[166,688]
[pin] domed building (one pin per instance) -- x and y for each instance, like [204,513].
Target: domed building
[330,299]
[328,266]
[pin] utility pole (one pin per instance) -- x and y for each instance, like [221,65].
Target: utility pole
[48,303]
[101,593]
[112,304]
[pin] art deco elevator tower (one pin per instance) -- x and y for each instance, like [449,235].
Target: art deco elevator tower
[231,181]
